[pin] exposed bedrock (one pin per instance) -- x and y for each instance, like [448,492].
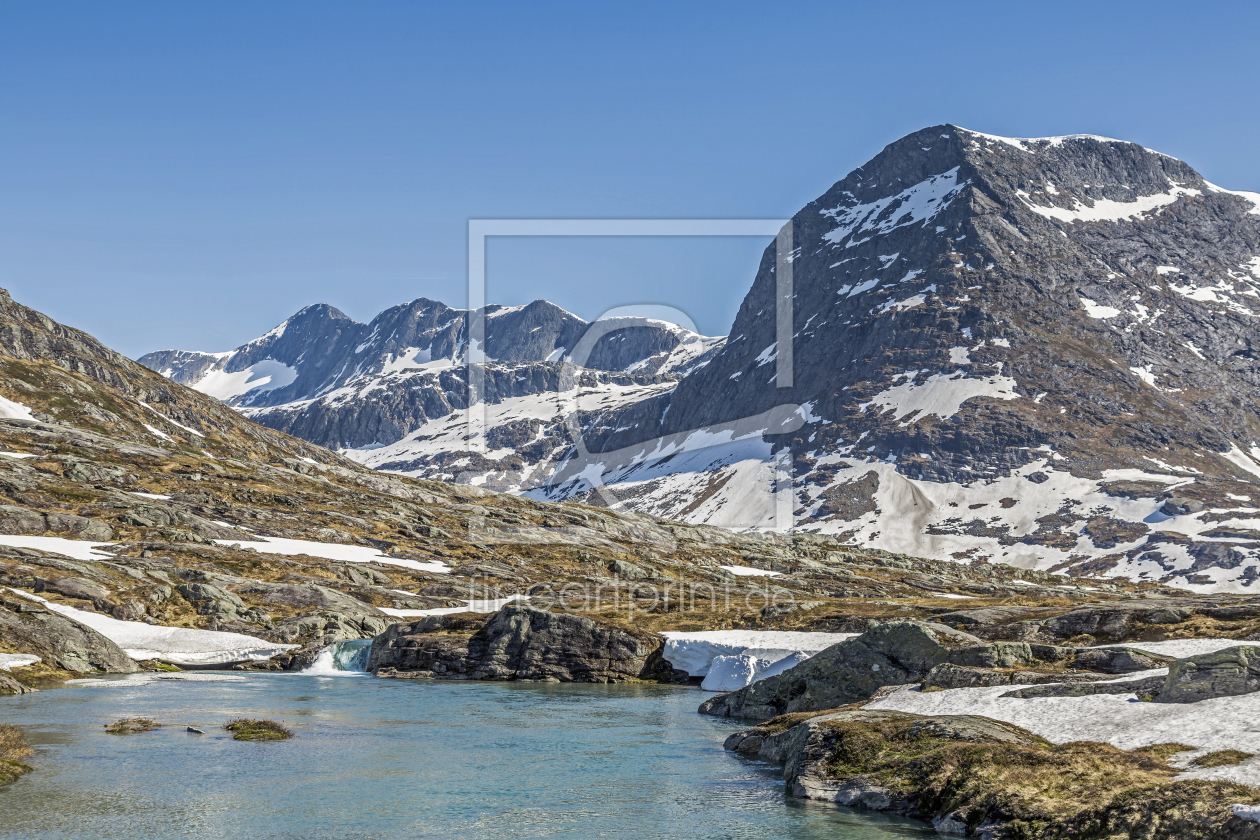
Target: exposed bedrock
[520,643]
[59,641]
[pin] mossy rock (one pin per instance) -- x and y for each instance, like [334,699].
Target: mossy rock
[1222,758]
[131,726]
[13,745]
[248,729]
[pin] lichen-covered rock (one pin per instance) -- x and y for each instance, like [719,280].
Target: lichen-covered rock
[524,643]
[1119,660]
[1225,673]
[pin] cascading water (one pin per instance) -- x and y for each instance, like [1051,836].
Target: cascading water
[341,659]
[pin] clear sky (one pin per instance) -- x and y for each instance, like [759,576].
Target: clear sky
[189,174]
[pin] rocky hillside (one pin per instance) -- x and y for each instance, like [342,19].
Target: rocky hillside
[134,502]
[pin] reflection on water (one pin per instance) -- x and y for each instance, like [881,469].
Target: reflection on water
[395,760]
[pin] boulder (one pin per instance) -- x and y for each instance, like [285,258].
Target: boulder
[1225,673]
[16,520]
[520,642]
[75,587]
[889,654]
[948,675]
[307,596]
[1118,660]
[1143,688]
[10,686]
[78,527]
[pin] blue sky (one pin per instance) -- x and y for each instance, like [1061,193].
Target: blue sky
[189,174]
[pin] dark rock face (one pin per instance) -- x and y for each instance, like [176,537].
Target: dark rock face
[522,643]
[934,655]
[58,640]
[1226,673]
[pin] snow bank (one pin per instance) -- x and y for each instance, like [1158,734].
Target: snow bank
[334,551]
[1181,648]
[732,659]
[1121,720]
[74,549]
[178,645]
[749,571]
[9,661]
[472,606]
[10,410]
[1247,812]
[266,375]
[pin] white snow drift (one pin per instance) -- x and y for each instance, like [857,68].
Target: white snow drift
[178,645]
[732,659]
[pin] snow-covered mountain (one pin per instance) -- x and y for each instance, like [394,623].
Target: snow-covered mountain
[373,389]
[1040,352]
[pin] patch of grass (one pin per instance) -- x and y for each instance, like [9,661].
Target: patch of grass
[1222,758]
[40,675]
[158,665]
[1162,752]
[131,726]
[249,729]
[783,723]
[13,745]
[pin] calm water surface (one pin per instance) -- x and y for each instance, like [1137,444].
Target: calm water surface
[395,760]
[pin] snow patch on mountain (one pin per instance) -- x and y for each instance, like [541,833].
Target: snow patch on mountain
[266,375]
[941,394]
[918,204]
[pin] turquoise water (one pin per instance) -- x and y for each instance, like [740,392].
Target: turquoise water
[396,760]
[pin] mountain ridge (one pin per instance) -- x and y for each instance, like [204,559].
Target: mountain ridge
[1057,330]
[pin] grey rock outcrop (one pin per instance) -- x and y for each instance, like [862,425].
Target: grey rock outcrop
[17,520]
[1145,688]
[10,686]
[60,641]
[1225,673]
[523,643]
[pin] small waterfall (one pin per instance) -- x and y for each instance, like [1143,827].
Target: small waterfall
[341,659]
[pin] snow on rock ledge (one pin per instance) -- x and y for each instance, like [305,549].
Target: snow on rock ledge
[731,659]
[177,645]
[9,661]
